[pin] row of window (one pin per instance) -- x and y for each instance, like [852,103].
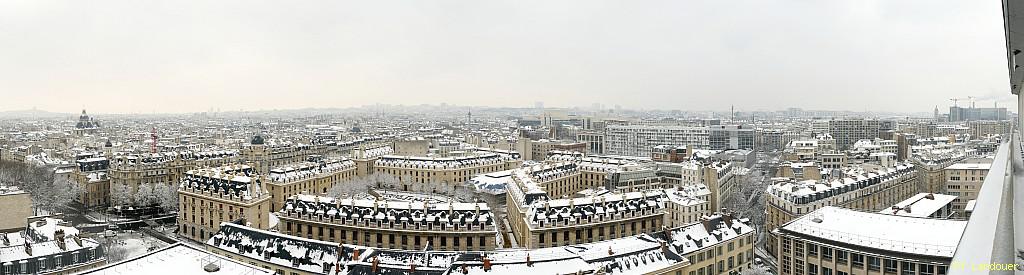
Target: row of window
[392,240]
[853,259]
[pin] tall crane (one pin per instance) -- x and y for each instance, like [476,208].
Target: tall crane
[955,99]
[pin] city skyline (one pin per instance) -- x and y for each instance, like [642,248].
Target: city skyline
[878,56]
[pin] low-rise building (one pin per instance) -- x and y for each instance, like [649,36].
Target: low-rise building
[283,254]
[48,246]
[834,240]
[180,258]
[17,208]
[924,205]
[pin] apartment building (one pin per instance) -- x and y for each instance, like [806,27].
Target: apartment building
[964,180]
[264,154]
[210,196]
[639,140]
[864,187]
[848,131]
[313,176]
[725,137]
[390,224]
[446,170]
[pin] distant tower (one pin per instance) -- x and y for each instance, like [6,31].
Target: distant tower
[732,113]
[469,116]
[152,147]
[936,112]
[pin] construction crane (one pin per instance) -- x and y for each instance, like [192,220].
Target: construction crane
[955,99]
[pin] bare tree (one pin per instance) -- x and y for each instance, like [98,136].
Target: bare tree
[116,251]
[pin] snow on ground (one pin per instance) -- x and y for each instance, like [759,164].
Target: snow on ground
[128,244]
[97,217]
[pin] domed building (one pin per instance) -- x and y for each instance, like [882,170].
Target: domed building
[86,125]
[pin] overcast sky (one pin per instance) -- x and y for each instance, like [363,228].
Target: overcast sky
[187,56]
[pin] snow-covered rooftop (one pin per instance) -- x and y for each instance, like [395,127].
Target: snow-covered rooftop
[420,215]
[920,205]
[970,166]
[577,211]
[492,183]
[310,255]
[900,234]
[235,180]
[442,163]
[710,231]
[303,170]
[854,178]
[182,259]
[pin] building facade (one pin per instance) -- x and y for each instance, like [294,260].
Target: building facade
[866,187]
[391,224]
[964,181]
[210,196]
[314,176]
[638,140]
[838,241]
[725,137]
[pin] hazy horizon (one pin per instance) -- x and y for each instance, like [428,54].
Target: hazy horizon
[123,57]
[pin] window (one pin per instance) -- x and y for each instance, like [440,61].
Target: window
[841,256]
[812,249]
[826,253]
[826,271]
[858,259]
[874,264]
[891,266]
[812,269]
[926,269]
[908,268]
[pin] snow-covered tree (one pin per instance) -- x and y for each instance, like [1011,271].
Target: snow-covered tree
[166,197]
[61,191]
[143,195]
[350,188]
[464,193]
[120,194]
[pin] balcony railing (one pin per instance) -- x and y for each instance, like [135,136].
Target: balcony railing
[994,237]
